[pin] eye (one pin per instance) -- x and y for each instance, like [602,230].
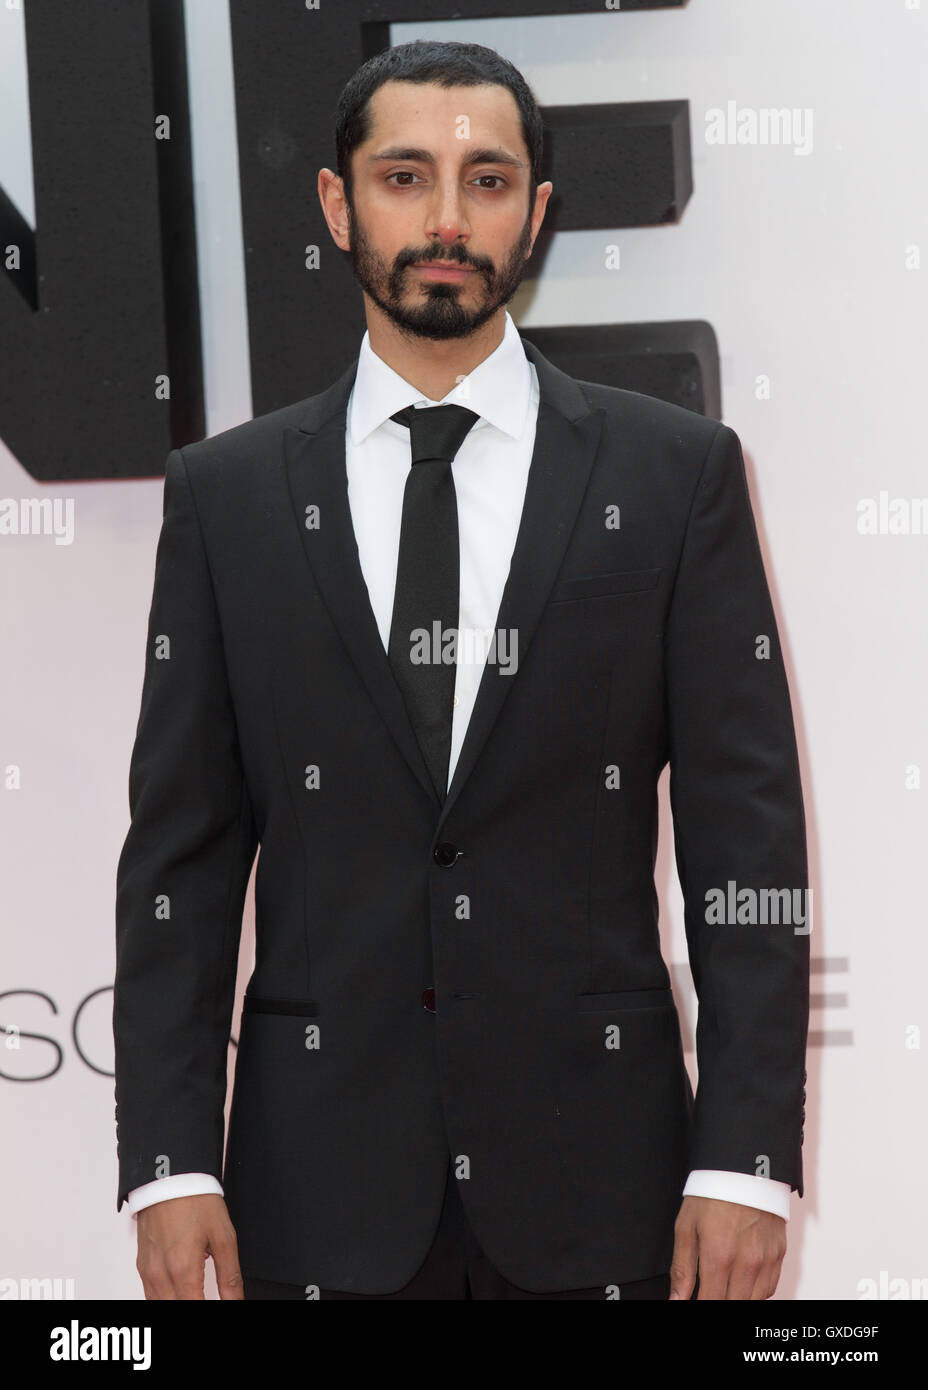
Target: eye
[496,179]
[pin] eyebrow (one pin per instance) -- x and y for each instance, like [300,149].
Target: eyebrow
[413,153]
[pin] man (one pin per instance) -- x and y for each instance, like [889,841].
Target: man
[459,1073]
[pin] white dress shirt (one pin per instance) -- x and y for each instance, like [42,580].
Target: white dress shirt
[490,474]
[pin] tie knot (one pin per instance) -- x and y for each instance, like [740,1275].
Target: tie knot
[436,432]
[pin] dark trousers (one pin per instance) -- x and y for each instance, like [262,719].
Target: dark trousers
[456,1267]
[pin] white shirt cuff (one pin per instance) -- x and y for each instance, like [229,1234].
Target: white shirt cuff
[178,1185]
[750,1191]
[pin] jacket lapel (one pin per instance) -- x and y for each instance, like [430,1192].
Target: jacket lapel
[566,441]
[318,479]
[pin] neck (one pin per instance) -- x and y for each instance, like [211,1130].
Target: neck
[433,366]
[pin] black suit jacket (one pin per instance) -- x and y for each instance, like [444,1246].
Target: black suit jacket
[552,1067]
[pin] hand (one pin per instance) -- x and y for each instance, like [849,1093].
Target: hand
[175,1236]
[739,1250]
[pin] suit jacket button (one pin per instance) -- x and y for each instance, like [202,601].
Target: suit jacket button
[428,1000]
[445,854]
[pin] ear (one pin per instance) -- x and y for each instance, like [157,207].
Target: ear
[331,190]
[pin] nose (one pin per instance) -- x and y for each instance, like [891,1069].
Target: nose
[446,218]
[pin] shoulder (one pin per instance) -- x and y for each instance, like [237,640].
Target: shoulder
[248,445]
[666,441]
[650,420]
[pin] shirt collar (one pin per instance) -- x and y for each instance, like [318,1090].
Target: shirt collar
[498,389]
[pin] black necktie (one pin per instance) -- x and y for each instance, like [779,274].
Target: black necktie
[426,599]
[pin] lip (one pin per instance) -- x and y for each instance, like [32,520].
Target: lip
[436,270]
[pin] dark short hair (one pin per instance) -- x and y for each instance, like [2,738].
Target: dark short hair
[447,65]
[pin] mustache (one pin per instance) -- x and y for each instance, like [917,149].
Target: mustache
[456,254]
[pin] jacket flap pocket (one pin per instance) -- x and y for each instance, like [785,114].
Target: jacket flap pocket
[625,999]
[601,585]
[261,1004]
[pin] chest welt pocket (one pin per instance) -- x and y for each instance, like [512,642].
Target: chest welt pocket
[296,1008]
[625,999]
[605,585]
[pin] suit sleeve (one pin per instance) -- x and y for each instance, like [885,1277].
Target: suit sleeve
[182,874]
[739,832]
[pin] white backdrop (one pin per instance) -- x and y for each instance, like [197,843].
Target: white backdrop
[806,259]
